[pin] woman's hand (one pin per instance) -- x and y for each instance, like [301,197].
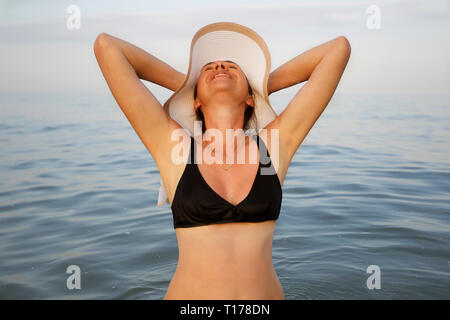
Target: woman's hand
[269,86]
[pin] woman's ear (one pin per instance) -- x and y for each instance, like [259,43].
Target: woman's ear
[250,101]
[196,105]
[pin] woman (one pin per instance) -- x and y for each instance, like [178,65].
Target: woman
[224,214]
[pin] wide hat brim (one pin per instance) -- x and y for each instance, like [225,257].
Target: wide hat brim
[225,41]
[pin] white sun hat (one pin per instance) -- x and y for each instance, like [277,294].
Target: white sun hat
[223,41]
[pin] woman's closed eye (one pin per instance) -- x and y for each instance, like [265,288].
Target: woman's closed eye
[208,68]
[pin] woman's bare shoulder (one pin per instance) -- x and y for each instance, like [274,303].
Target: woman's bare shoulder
[173,156]
[275,141]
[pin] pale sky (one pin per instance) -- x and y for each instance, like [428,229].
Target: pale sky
[409,54]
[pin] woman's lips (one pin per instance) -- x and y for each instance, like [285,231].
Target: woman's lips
[221,75]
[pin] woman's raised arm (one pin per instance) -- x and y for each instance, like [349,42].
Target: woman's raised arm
[122,65]
[323,67]
[147,66]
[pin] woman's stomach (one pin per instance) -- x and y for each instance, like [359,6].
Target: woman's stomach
[226,261]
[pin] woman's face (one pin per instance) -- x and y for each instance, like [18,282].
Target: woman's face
[222,76]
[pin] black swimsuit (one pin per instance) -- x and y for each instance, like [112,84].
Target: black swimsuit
[195,203]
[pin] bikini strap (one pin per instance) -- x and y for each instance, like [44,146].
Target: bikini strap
[192,151]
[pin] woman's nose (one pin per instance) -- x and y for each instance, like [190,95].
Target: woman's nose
[220,65]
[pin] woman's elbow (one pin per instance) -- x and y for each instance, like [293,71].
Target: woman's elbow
[343,44]
[101,42]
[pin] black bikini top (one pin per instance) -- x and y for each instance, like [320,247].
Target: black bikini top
[195,203]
